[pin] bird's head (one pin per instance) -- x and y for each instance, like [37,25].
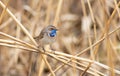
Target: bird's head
[52,30]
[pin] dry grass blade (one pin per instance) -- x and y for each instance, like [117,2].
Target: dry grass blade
[18,40]
[3,12]
[87,40]
[79,68]
[22,27]
[91,46]
[58,12]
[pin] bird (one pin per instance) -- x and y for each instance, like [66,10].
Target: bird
[47,36]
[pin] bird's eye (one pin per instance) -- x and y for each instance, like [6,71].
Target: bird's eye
[51,29]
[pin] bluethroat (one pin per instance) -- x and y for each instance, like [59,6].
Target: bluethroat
[46,37]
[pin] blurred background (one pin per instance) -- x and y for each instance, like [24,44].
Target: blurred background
[81,23]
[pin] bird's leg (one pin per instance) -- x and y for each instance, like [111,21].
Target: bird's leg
[43,49]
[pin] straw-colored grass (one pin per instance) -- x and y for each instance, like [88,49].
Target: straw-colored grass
[87,41]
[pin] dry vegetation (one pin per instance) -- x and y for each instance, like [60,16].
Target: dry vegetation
[88,41]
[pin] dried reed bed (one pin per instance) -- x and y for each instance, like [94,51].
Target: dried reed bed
[87,43]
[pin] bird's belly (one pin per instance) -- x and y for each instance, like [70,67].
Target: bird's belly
[48,40]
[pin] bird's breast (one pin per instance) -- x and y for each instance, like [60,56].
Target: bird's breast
[47,40]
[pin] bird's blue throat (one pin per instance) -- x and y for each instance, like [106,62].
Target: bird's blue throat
[53,33]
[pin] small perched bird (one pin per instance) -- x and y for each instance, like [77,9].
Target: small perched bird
[47,36]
